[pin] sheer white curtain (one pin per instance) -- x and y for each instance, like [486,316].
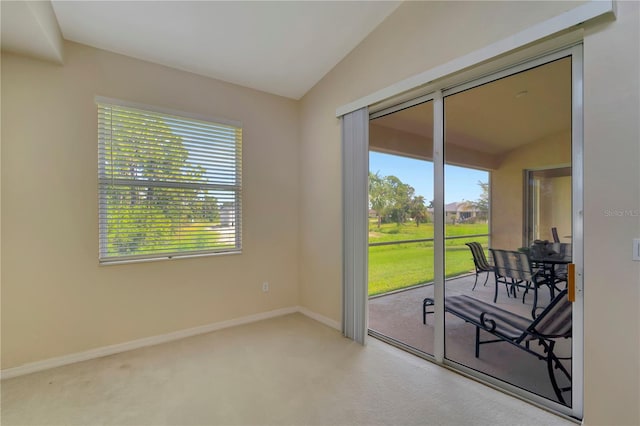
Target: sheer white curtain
[355,208]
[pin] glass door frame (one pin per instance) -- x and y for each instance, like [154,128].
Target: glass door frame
[575,53]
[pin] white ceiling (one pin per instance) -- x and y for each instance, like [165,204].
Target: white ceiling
[31,28]
[279,47]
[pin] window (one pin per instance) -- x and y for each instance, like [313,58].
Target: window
[169,185]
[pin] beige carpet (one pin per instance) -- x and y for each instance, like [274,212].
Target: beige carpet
[289,370]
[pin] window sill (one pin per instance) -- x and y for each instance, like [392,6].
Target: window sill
[167,257]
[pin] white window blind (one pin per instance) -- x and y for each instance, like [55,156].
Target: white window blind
[168,186]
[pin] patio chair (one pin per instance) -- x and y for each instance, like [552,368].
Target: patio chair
[555,272]
[553,323]
[480,262]
[512,268]
[554,233]
[561,271]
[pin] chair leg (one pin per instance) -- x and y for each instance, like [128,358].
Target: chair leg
[552,364]
[426,302]
[511,290]
[486,279]
[475,282]
[424,312]
[526,290]
[554,383]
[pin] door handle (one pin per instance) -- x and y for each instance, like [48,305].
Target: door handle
[571,282]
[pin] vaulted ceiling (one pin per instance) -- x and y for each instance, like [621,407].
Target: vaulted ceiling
[279,47]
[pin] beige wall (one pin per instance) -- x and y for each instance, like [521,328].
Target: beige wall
[507,186]
[56,300]
[612,182]
[422,35]
[408,42]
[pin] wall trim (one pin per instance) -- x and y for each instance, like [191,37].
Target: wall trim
[46,364]
[320,318]
[60,361]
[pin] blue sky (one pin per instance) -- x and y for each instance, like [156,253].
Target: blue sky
[460,183]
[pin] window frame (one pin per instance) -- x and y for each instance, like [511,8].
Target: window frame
[236,188]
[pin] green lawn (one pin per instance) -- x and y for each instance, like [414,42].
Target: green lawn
[409,231]
[393,267]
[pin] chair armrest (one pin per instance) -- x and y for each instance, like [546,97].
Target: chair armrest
[487,323]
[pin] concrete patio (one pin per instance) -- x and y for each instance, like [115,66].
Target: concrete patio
[399,316]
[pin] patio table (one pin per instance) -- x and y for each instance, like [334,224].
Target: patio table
[548,263]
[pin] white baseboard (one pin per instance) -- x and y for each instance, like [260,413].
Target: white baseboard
[46,364]
[320,318]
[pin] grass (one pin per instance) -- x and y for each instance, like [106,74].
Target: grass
[409,231]
[393,267]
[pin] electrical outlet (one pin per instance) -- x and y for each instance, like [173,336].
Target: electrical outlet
[265,286]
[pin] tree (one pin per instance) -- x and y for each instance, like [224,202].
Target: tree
[400,198]
[394,200]
[379,197]
[418,210]
[205,209]
[143,213]
[482,203]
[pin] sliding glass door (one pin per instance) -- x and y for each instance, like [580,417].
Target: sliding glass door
[518,128]
[460,179]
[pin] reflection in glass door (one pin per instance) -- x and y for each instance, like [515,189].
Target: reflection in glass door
[548,197]
[509,127]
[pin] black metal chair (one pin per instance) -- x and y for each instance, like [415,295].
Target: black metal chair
[553,323]
[554,233]
[561,271]
[480,262]
[512,268]
[554,272]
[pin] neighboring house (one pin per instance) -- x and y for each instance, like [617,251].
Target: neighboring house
[460,212]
